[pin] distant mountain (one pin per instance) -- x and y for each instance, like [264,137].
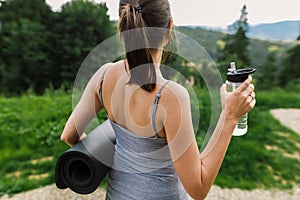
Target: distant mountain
[259,49]
[284,31]
[280,31]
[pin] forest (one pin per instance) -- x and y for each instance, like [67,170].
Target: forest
[41,52]
[40,47]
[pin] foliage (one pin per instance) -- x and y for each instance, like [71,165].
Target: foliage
[30,130]
[214,43]
[293,86]
[291,70]
[33,10]
[24,52]
[206,38]
[78,29]
[24,45]
[40,47]
[269,74]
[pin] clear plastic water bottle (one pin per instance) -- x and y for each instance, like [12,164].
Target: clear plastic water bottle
[235,77]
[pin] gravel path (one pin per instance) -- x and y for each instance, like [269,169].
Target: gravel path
[288,117]
[52,193]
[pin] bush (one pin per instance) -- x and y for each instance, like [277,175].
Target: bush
[293,86]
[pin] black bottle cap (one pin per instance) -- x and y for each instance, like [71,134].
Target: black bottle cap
[239,75]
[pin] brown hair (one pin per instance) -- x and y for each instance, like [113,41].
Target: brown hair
[136,16]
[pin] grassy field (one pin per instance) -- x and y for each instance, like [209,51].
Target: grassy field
[30,127]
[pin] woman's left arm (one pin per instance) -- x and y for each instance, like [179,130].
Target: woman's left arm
[85,110]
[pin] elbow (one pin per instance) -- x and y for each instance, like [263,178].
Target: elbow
[201,196]
[199,188]
[63,138]
[67,140]
[200,192]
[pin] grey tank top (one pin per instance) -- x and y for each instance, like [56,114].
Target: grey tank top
[142,168]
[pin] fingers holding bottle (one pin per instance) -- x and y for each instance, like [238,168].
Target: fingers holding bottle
[239,102]
[246,86]
[247,90]
[247,95]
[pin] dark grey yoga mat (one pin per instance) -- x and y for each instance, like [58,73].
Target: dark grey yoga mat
[85,165]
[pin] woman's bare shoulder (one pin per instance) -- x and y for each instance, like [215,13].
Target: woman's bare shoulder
[175,90]
[110,70]
[174,96]
[112,67]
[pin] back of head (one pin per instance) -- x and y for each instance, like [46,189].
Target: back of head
[143,25]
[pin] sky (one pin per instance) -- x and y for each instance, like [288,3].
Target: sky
[217,13]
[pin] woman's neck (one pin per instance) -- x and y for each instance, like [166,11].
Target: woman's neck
[156,57]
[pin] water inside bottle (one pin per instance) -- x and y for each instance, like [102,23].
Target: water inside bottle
[241,127]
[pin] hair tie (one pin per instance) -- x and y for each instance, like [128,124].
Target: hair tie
[137,8]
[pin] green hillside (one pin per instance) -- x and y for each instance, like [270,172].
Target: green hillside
[259,49]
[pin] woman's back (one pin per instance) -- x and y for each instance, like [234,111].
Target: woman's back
[142,167]
[130,106]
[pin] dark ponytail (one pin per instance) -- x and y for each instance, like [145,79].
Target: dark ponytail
[141,41]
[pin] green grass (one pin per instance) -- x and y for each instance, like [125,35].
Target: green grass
[30,127]
[268,156]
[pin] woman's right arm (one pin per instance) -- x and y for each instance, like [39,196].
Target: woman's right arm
[85,110]
[198,172]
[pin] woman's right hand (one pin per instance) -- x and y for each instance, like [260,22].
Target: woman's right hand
[239,102]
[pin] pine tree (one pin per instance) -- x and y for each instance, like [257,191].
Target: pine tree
[236,48]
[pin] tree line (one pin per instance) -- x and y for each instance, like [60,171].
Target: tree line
[41,48]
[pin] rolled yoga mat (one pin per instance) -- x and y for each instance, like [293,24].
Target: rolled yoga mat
[85,165]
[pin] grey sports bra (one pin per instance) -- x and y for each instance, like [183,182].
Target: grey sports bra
[155,103]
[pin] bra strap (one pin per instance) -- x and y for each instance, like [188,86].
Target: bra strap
[154,109]
[100,88]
